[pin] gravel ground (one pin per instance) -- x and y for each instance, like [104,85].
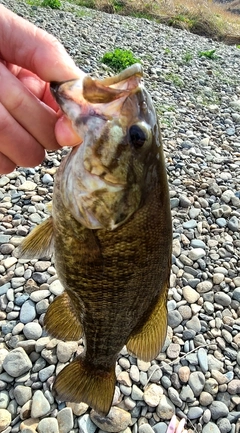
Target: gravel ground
[197,375]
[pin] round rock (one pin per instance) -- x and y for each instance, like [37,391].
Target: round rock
[17,362]
[48,425]
[40,405]
[5,419]
[116,420]
[32,331]
[27,312]
[65,420]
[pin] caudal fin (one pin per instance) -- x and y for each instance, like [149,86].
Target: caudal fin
[79,382]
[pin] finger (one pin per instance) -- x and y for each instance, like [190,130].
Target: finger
[37,118]
[65,134]
[6,165]
[38,87]
[34,49]
[16,145]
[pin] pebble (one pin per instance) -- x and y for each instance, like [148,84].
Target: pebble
[40,405]
[78,409]
[16,362]
[86,425]
[211,428]
[65,420]
[202,359]
[32,330]
[218,409]
[152,395]
[22,394]
[145,428]
[48,425]
[116,420]
[165,410]
[196,382]
[184,374]
[27,312]
[5,419]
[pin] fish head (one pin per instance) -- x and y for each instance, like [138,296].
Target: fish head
[106,178]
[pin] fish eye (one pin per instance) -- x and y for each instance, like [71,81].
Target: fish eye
[137,136]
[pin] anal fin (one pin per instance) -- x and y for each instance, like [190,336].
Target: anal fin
[61,320]
[39,242]
[149,339]
[79,382]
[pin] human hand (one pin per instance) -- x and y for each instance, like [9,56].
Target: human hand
[29,59]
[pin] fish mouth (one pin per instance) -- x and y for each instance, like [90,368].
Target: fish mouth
[94,96]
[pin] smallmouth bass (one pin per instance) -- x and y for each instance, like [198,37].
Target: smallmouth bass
[111,233]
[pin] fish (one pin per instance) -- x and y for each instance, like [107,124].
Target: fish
[111,233]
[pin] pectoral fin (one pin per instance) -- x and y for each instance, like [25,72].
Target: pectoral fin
[61,319]
[39,242]
[148,341]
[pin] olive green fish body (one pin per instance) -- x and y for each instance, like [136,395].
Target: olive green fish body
[111,233]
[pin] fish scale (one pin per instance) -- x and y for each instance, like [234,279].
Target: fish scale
[111,233]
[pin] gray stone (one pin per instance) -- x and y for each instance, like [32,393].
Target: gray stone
[194,324]
[236,294]
[224,425]
[165,410]
[4,399]
[221,222]
[174,318]
[204,287]
[22,394]
[196,382]
[27,312]
[184,201]
[136,393]
[40,405]
[48,425]
[218,410]
[195,412]
[202,359]
[197,243]
[160,427]
[186,394]
[145,428]
[17,363]
[191,224]
[233,224]
[116,420]
[196,253]
[32,331]
[222,299]
[210,428]
[65,420]
[174,397]
[45,373]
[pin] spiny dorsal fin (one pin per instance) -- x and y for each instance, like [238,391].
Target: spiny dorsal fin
[39,241]
[81,381]
[147,343]
[61,320]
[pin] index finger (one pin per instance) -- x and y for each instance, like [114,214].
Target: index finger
[34,49]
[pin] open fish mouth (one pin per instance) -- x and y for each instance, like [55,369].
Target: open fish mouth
[92,96]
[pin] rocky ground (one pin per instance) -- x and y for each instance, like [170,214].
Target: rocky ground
[197,375]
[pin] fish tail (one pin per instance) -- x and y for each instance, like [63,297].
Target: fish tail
[79,382]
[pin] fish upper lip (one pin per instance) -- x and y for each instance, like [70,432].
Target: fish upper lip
[54,85]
